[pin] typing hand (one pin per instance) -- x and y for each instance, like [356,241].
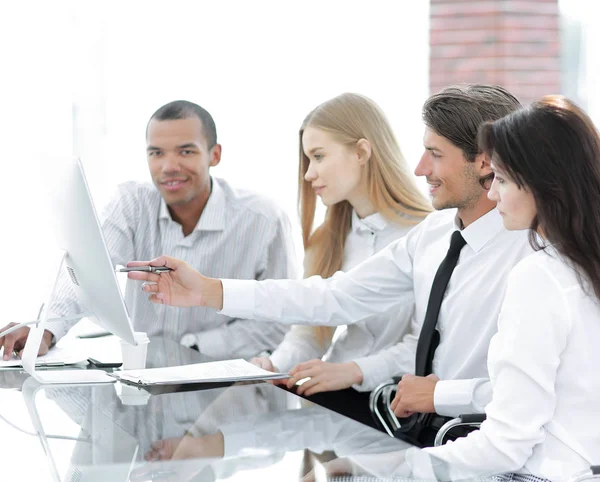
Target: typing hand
[414,395]
[15,341]
[265,363]
[324,376]
[183,286]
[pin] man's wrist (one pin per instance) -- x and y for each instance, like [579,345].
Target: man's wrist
[48,338]
[214,293]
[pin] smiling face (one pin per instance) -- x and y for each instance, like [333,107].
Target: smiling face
[179,159]
[453,181]
[335,171]
[515,204]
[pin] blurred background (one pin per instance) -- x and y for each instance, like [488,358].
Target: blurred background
[82,78]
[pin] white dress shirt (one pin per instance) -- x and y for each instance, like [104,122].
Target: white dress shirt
[360,340]
[239,234]
[400,275]
[543,365]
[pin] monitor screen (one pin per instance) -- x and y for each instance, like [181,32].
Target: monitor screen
[87,263]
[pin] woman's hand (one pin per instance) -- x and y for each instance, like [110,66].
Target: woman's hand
[182,286]
[265,363]
[324,376]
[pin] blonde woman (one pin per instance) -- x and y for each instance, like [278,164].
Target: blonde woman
[350,158]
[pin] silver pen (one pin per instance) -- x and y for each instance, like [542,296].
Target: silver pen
[151,269]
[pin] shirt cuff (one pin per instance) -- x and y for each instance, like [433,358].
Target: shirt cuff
[281,361]
[371,370]
[238,298]
[452,398]
[57,328]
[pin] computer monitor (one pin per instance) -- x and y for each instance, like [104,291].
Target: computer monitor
[87,265]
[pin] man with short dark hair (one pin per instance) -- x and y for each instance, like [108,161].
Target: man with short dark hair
[453,267]
[192,215]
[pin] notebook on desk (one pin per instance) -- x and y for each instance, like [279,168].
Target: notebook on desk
[209,372]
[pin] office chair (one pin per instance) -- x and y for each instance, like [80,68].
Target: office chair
[593,473]
[379,404]
[473,420]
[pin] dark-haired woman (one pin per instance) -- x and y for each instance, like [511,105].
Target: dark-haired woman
[544,419]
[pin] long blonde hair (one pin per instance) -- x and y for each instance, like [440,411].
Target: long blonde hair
[393,191]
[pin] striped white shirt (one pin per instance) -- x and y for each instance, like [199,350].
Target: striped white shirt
[360,341]
[239,235]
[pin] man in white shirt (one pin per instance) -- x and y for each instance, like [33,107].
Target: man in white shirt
[188,213]
[403,273]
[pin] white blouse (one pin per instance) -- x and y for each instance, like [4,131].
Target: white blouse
[543,363]
[367,237]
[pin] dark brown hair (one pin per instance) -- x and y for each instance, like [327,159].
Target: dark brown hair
[457,112]
[552,149]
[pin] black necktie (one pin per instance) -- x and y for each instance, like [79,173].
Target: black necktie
[429,338]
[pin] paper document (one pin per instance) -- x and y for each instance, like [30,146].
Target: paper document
[56,356]
[210,372]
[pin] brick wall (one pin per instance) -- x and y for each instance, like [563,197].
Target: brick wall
[512,43]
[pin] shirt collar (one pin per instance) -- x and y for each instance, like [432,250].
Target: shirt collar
[479,232]
[371,223]
[164,210]
[214,213]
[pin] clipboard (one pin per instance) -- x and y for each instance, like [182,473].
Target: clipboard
[216,372]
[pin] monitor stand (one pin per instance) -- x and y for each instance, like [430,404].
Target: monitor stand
[82,473]
[34,340]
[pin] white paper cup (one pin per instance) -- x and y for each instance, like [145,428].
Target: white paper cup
[134,357]
[133,396]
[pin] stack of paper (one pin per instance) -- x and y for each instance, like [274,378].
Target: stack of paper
[210,372]
[55,357]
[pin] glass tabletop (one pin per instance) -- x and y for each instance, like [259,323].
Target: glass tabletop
[251,431]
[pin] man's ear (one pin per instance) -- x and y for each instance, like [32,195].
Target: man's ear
[363,147]
[215,155]
[484,168]
[483,164]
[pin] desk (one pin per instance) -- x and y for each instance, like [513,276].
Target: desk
[99,433]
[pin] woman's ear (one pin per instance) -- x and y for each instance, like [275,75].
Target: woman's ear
[363,147]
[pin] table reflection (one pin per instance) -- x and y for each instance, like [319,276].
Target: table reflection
[255,431]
